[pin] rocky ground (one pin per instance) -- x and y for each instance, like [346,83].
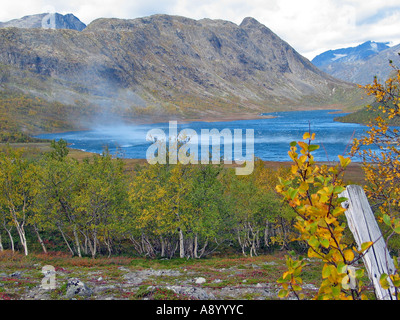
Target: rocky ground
[251,278]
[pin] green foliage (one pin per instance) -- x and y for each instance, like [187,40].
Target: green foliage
[382,168]
[313,193]
[255,212]
[22,115]
[18,189]
[59,150]
[368,115]
[291,280]
[95,206]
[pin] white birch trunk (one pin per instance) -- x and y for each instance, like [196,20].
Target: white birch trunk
[39,238]
[181,244]
[364,227]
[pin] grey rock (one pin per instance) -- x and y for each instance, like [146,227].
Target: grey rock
[100,289]
[200,280]
[309,286]
[16,274]
[139,276]
[77,287]
[194,292]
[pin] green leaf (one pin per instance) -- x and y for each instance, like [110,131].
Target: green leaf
[283,293]
[281,280]
[387,220]
[342,267]
[325,243]
[341,199]
[293,143]
[292,193]
[383,281]
[292,253]
[336,291]
[338,189]
[313,242]
[359,273]
[396,283]
[296,287]
[366,245]
[313,147]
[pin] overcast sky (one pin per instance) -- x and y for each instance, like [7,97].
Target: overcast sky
[310,26]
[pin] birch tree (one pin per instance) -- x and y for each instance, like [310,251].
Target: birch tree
[55,206]
[18,185]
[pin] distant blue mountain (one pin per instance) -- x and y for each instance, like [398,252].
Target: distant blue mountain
[361,52]
[359,64]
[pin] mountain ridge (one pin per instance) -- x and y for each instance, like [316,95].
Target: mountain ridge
[169,66]
[46,20]
[359,64]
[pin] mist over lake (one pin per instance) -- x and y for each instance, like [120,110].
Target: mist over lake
[272,136]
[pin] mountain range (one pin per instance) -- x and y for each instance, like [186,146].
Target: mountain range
[359,64]
[159,67]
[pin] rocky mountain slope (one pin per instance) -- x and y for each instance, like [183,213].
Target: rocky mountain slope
[46,20]
[165,66]
[359,64]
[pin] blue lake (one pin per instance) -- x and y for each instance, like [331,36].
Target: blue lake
[272,136]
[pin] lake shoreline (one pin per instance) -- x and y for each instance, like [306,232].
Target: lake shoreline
[207,119]
[273,133]
[156,120]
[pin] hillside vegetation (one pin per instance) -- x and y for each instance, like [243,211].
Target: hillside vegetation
[368,115]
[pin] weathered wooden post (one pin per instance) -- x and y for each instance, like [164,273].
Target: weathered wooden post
[364,227]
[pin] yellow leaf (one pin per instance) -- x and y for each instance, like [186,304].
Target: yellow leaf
[344,162]
[306,136]
[304,186]
[366,245]
[349,255]
[303,145]
[326,271]
[330,219]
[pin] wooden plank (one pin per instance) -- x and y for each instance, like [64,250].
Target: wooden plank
[364,227]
